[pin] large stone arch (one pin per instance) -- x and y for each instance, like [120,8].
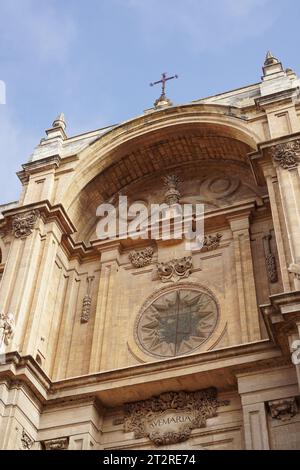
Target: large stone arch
[156,143]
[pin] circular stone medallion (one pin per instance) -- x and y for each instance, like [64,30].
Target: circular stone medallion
[177,322]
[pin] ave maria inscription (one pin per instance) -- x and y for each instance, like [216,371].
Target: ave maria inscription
[171,417]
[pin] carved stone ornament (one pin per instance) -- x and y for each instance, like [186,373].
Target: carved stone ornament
[23,224]
[211,241]
[87,302]
[175,269]
[176,322]
[62,443]
[26,441]
[170,417]
[7,328]
[142,258]
[284,409]
[287,154]
[172,196]
[295,269]
[270,259]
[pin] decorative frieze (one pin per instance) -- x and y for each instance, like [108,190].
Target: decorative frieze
[270,259]
[170,417]
[26,441]
[287,154]
[211,242]
[23,224]
[87,301]
[7,328]
[283,409]
[175,269]
[142,258]
[62,443]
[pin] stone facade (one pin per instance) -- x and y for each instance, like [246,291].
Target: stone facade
[143,343]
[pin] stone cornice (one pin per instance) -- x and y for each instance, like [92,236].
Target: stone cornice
[281,317]
[115,387]
[38,166]
[48,213]
[285,96]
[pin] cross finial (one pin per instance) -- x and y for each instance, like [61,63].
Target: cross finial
[163,100]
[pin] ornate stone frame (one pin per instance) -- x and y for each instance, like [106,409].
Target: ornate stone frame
[142,355]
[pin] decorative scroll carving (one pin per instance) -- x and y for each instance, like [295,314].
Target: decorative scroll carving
[62,443]
[173,195]
[23,224]
[287,154]
[175,269]
[142,258]
[26,441]
[170,417]
[211,241]
[7,328]
[270,259]
[284,409]
[87,302]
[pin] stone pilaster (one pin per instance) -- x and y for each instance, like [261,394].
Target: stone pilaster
[106,304]
[248,310]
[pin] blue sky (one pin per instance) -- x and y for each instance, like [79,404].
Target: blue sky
[94,60]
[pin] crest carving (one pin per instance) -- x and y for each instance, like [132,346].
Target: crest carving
[175,269]
[141,258]
[23,224]
[170,417]
[287,154]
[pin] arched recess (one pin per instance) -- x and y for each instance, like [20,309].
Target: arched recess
[201,120]
[137,152]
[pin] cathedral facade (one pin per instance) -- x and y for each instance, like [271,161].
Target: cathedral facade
[131,342]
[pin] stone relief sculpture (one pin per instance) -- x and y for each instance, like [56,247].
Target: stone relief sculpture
[287,154]
[23,224]
[211,241]
[170,417]
[142,258]
[87,302]
[26,441]
[7,329]
[176,322]
[283,409]
[270,259]
[174,270]
[62,443]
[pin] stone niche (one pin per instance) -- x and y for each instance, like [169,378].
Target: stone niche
[170,417]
